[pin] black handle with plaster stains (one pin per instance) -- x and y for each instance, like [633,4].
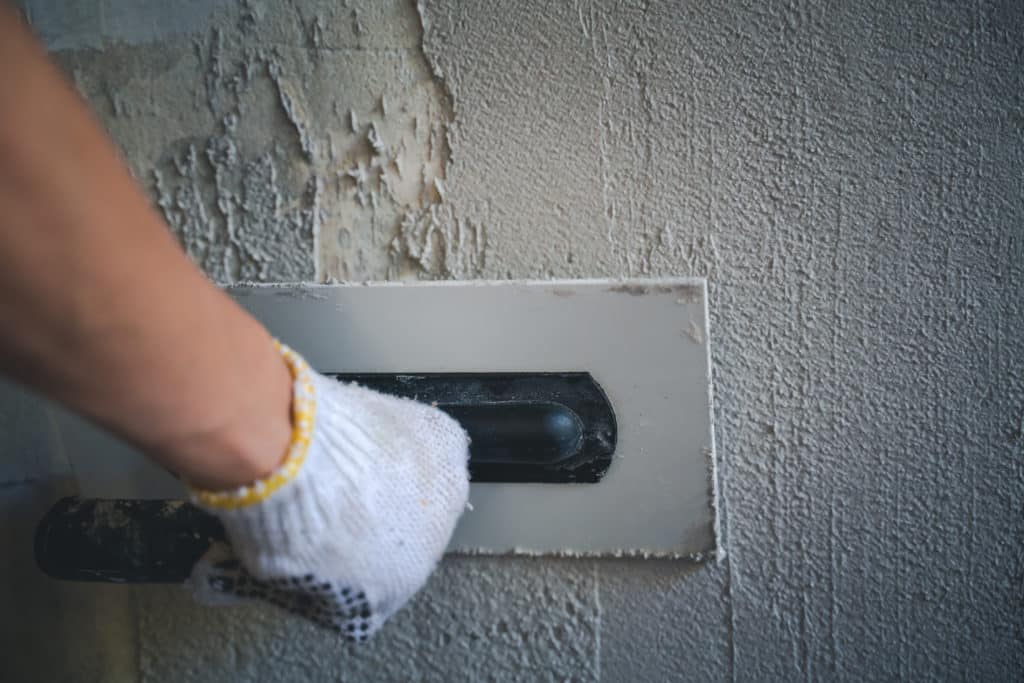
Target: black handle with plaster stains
[524,427]
[123,541]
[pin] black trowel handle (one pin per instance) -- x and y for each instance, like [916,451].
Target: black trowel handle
[519,434]
[525,427]
[546,427]
[123,541]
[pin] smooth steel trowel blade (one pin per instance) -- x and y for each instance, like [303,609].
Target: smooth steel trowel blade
[644,343]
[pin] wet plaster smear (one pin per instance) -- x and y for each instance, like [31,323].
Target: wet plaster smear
[847,175]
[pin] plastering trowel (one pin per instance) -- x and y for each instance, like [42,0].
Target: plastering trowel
[588,404]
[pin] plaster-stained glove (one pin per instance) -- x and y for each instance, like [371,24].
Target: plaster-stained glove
[354,520]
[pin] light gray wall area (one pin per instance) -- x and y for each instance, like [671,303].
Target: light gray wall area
[847,175]
[507,619]
[97,24]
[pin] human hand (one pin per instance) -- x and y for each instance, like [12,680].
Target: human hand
[350,525]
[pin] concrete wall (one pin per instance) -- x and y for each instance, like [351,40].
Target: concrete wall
[847,175]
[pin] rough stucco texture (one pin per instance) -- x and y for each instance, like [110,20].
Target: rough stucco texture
[847,175]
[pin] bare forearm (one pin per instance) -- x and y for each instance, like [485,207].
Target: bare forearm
[100,309]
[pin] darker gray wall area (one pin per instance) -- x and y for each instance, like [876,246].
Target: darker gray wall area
[850,178]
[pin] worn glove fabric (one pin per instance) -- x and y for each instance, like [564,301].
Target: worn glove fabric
[354,520]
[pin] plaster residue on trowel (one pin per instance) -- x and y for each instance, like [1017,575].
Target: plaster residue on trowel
[694,332]
[696,558]
[686,294]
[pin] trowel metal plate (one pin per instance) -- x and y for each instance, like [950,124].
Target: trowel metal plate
[644,341]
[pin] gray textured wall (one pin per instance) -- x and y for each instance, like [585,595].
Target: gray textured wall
[847,175]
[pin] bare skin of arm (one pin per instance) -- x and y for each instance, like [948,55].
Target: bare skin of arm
[100,309]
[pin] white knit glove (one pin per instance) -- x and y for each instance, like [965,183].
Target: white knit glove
[354,520]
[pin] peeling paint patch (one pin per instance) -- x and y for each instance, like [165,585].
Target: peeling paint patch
[310,148]
[441,244]
[233,216]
